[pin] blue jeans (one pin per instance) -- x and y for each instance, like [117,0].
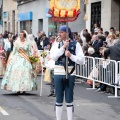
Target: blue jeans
[61,88]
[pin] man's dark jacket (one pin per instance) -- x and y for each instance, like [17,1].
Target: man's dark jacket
[114,52]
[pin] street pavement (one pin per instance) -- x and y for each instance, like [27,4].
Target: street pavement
[88,105]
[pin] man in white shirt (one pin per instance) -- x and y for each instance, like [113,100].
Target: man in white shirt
[58,53]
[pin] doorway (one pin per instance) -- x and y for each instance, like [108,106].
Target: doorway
[40,25]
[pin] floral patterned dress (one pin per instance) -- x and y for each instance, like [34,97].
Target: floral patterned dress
[19,75]
[2,59]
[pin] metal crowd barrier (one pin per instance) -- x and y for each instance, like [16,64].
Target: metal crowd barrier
[118,74]
[84,70]
[100,70]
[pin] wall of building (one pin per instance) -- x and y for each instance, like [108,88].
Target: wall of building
[38,9]
[10,7]
[109,15]
[115,14]
[105,14]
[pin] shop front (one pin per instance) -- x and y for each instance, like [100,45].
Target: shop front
[25,21]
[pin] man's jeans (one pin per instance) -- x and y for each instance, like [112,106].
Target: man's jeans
[61,88]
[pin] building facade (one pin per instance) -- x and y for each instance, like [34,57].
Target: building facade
[10,16]
[38,18]
[106,13]
[33,17]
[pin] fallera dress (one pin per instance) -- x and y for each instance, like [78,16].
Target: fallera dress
[19,75]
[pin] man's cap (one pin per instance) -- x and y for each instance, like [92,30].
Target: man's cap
[64,29]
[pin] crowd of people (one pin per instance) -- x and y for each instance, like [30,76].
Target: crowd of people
[93,44]
[19,74]
[101,45]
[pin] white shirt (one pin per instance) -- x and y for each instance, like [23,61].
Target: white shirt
[7,44]
[50,64]
[96,29]
[83,38]
[55,53]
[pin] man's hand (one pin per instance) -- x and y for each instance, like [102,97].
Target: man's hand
[66,44]
[67,54]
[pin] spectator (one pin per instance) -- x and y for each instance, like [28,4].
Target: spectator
[100,41]
[85,50]
[5,35]
[95,28]
[91,34]
[92,52]
[94,40]
[100,31]
[111,39]
[1,40]
[8,45]
[52,40]
[112,31]
[78,39]
[104,44]
[38,40]
[103,72]
[88,37]
[118,34]
[75,35]
[33,44]
[113,51]
[106,33]
[83,38]
[14,38]
[45,41]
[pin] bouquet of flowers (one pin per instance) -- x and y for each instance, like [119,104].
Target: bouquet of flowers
[43,54]
[34,58]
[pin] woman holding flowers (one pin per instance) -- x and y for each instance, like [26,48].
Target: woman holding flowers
[20,76]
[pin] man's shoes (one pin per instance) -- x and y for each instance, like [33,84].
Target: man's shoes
[98,90]
[51,95]
[54,95]
[18,93]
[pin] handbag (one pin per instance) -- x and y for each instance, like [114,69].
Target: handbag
[47,75]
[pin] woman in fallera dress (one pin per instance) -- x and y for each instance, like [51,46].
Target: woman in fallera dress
[19,76]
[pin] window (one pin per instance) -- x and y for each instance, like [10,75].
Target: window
[26,25]
[0,22]
[95,15]
[5,14]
